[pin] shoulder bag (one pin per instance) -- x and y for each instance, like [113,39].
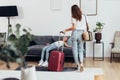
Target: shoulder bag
[87,35]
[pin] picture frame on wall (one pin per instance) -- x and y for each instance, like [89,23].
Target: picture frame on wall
[56,4]
[89,7]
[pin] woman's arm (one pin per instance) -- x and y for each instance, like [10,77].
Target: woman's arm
[70,28]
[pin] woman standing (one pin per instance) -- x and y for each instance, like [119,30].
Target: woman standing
[77,28]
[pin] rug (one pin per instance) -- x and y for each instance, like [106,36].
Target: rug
[10,78]
[65,69]
[69,73]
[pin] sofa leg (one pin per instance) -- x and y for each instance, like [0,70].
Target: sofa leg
[111,57]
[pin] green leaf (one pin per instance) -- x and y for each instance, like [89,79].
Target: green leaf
[16,49]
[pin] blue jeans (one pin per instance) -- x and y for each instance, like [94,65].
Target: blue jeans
[77,46]
[47,49]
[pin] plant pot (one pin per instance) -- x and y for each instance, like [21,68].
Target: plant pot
[28,73]
[98,37]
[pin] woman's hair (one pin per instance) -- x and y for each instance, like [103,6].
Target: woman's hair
[76,12]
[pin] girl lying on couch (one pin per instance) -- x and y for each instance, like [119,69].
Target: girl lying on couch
[50,47]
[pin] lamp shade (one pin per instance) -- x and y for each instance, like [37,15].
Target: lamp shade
[7,11]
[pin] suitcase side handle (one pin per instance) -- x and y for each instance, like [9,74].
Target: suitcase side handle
[62,62]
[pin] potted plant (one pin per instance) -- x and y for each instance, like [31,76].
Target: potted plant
[97,30]
[2,38]
[16,47]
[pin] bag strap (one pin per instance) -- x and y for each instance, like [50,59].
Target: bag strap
[86,23]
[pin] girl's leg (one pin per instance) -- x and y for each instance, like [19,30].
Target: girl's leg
[51,47]
[43,52]
[42,55]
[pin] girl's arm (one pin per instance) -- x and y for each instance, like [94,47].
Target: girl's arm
[66,45]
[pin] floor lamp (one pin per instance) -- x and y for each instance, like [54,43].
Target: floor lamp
[8,11]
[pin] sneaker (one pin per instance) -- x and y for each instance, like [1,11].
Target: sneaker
[40,62]
[45,64]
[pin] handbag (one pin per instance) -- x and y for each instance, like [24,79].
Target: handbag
[87,35]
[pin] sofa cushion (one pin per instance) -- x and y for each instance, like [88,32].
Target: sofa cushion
[42,40]
[56,38]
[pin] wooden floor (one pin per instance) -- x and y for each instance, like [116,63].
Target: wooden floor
[111,70]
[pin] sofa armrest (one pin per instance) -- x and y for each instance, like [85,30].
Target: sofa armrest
[112,44]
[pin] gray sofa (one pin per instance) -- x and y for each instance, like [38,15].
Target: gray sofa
[35,47]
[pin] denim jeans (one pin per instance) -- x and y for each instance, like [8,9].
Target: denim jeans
[46,50]
[77,46]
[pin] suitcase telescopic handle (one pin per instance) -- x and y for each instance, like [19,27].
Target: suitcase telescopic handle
[59,40]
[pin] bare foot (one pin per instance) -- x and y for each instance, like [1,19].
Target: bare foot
[81,68]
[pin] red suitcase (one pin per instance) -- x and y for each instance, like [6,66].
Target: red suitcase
[56,61]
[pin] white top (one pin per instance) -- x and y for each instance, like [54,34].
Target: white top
[59,43]
[80,25]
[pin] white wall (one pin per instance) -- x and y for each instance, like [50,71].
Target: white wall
[37,15]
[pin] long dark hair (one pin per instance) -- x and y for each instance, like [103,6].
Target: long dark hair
[76,12]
